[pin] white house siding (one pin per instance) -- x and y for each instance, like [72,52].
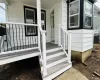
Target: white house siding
[64,14]
[57,19]
[82,40]
[16,14]
[88,39]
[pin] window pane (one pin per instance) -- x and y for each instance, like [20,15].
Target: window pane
[88,8]
[2,14]
[30,15]
[88,21]
[74,8]
[3,5]
[74,20]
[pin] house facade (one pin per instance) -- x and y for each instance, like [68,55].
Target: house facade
[50,29]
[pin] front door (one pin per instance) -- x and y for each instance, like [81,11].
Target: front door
[52,27]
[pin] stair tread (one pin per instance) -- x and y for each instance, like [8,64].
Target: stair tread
[54,52]
[57,68]
[56,59]
[54,49]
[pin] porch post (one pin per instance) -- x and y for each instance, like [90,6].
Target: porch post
[39,20]
[43,37]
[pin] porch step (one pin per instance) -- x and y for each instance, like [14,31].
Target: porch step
[52,50]
[57,70]
[56,63]
[54,54]
[56,60]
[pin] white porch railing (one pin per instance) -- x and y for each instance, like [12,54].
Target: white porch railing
[65,42]
[13,39]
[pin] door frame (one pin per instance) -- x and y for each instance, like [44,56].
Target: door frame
[52,27]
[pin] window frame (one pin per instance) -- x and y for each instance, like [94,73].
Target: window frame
[86,26]
[5,12]
[77,14]
[35,9]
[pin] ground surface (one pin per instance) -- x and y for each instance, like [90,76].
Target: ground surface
[91,66]
[71,74]
[22,70]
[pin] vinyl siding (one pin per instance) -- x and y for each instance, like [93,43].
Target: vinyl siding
[82,40]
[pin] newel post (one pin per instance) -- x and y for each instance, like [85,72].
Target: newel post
[44,53]
[69,47]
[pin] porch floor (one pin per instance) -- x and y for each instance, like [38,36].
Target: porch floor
[16,56]
[51,46]
[48,46]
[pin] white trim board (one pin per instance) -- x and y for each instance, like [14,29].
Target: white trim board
[18,58]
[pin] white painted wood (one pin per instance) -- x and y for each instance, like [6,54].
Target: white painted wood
[52,50]
[44,54]
[82,40]
[10,52]
[56,62]
[25,24]
[55,55]
[39,20]
[69,48]
[57,72]
[18,58]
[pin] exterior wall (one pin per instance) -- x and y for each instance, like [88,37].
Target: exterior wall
[58,19]
[16,14]
[82,40]
[64,14]
[57,7]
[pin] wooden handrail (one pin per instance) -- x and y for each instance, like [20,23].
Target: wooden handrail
[64,30]
[26,24]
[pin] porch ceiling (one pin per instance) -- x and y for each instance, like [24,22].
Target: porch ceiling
[44,3]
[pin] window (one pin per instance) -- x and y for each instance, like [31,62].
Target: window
[43,19]
[88,14]
[2,12]
[74,14]
[30,17]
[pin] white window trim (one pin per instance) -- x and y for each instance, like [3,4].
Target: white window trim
[86,26]
[6,11]
[30,10]
[76,26]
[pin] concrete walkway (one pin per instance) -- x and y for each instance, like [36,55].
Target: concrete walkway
[71,74]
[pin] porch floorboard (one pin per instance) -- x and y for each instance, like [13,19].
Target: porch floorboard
[51,46]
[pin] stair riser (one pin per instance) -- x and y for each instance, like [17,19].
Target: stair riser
[55,55]
[56,62]
[52,76]
[52,50]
